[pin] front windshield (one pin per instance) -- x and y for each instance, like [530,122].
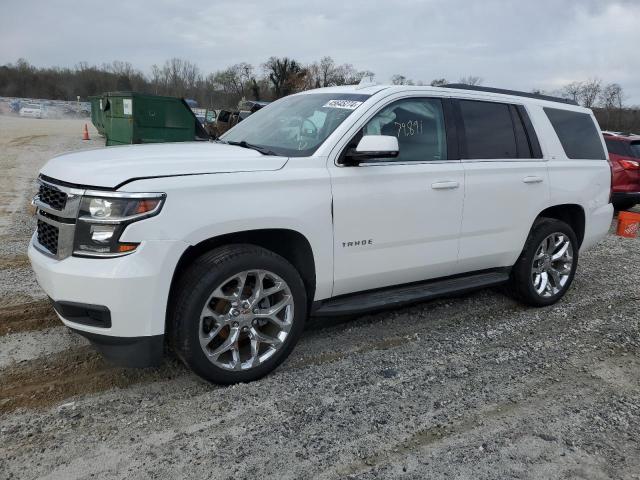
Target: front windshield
[295,126]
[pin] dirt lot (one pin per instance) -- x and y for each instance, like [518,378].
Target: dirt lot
[474,387]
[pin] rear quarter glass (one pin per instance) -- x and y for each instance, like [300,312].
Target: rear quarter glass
[577,133]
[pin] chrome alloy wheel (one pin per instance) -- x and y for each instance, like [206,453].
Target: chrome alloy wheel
[246,320]
[552,264]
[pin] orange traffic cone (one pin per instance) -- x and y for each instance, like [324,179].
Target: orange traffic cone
[85,133]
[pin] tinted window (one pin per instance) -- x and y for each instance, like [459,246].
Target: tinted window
[577,133]
[635,148]
[617,147]
[522,142]
[418,123]
[488,129]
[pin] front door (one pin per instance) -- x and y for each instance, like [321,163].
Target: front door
[398,221]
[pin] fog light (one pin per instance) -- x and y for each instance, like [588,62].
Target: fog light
[102,233]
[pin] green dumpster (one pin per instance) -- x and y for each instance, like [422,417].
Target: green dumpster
[97,114]
[131,117]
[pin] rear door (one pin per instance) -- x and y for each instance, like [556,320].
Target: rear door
[506,182]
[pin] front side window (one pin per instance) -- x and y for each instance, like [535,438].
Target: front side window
[295,126]
[489,130]
[578,134]
[419,126]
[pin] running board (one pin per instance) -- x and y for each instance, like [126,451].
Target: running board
[393,297]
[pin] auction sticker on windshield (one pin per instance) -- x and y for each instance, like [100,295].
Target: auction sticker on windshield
[347,104]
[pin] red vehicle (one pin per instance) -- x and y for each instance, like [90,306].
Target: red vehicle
[624,153]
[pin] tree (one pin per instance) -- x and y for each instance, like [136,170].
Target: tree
[471,80]
[439,82]
[572,91]
[590,92]
[612,96]
[611,101]
[326,73]
[177,77]
[286,75]
[235,79]
[401,80]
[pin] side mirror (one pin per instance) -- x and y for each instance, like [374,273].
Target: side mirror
[373,146]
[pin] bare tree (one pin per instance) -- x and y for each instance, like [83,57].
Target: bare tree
[439,82]
[346,74]
[471,80]
[176,77]
[612,96]
[590,92]
[326,71]
[235,79]
[611,101]
[364,74]
[572,91]
[401,80]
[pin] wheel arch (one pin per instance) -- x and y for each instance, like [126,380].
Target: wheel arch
[289,244]
[570,213]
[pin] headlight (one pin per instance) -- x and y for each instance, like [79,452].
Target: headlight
[103,218]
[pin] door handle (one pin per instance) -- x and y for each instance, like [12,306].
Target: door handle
[532,179]
[448,185]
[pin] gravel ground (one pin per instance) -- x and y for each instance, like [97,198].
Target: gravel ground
[474,387]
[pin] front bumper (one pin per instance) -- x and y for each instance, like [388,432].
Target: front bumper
[136,352]
[133,290]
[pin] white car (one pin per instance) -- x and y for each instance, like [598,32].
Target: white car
[32,110]
[327,202]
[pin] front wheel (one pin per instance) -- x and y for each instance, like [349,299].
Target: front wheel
[238,314]
[547,265]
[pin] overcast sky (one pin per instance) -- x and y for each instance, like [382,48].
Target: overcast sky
[518,44]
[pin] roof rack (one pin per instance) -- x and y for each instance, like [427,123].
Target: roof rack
[479,88]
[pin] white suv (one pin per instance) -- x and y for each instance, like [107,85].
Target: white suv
[327,202]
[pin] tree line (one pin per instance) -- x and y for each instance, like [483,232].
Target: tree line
[275,78]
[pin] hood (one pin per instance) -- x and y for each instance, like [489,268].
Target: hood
[112,166]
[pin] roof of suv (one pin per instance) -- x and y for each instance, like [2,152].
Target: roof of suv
[454,89]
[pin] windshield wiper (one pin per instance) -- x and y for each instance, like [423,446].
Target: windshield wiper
[243,144]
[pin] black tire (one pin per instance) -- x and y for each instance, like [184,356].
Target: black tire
[520,284]
[201,278]
[624,205]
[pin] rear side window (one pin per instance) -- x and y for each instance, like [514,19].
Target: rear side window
[489,130]
[635,148]
[577,133]
[617,147]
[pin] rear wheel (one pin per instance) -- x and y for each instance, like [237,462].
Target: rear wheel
[547,265]
[239,312]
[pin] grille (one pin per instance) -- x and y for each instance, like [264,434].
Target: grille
[48,236]
[53,197]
